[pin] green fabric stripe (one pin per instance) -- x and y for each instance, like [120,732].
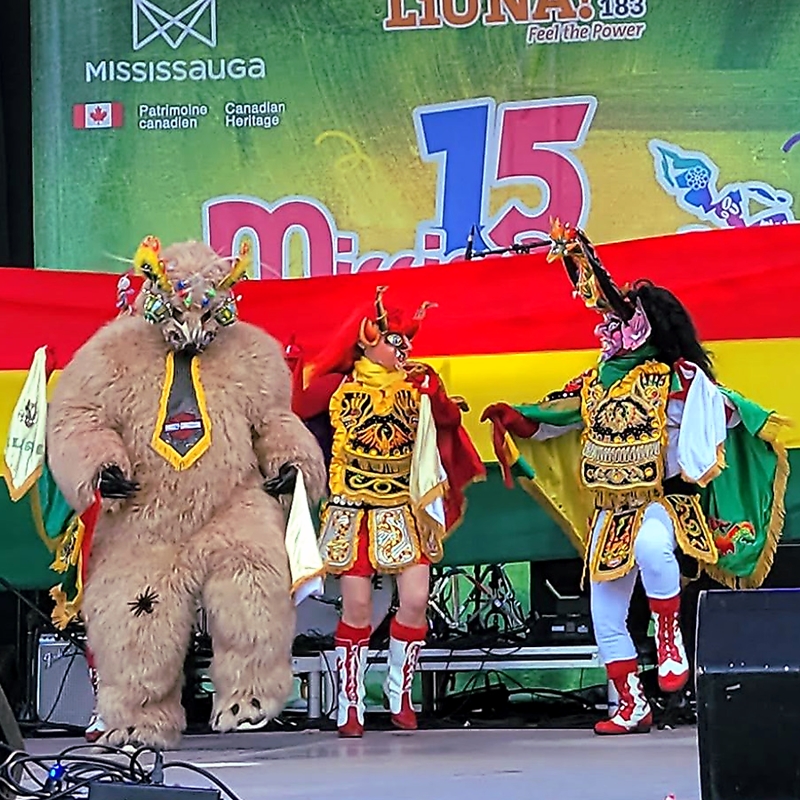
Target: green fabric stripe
[744,490]
[615,369]
[753,415]
[539,412]
[522,469]
[501,526]
[609,372]
[56,512]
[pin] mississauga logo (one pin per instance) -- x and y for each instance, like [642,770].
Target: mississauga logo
[153,24]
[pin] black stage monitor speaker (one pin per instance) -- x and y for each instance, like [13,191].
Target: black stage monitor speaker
[748,694]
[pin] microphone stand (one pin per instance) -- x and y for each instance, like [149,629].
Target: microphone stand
[517,249]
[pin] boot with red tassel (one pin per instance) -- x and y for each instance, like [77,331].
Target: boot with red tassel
[633,714]
[673,665]
[352,645]
[405,643]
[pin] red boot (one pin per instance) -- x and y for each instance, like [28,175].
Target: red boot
[404,646]
[633,713]
[352,645]
[673,666]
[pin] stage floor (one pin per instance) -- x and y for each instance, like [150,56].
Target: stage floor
[443,764]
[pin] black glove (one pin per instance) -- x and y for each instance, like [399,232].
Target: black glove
[113,484]
[283,483]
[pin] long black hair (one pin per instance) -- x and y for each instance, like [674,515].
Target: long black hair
[674,335]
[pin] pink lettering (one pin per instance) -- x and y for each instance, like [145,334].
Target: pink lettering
[226,218]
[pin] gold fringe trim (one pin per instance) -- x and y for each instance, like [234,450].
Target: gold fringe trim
[629,563]
[320,573]
[437,492]
[711,473]
[684,543]
[769,433]
[633,497]
[427,527]
[71,558]
[774,427]
[65,610]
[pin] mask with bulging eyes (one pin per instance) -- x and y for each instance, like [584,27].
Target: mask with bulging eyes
[400,344]
[194,326]
[191,309]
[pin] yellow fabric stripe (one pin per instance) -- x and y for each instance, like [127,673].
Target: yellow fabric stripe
[761,369]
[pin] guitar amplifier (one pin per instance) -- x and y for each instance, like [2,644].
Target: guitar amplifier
[63,688]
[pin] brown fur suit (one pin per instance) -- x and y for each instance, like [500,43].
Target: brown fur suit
[209,532]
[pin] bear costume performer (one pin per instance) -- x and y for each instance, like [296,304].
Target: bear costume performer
[178,420]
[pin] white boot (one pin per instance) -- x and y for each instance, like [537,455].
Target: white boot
[352,645]
[405,644]
[96,727]
[633,714]
[673,665]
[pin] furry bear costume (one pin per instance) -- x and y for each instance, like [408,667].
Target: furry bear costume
[177,416]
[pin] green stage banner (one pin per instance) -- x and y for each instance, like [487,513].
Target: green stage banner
[355,135]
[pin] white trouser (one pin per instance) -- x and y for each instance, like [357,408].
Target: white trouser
[654,554]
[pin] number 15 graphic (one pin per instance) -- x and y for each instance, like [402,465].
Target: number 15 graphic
[479,146]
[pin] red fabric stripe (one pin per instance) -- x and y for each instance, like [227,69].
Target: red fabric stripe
[79,115]
[89,518]
[738,284]
[116,115]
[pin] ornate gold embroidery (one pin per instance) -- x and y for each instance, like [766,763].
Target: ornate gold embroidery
[339,537]
[625,429]
[394,542]
[612,556]
[691,527]
[374,432]
[729,535]
[68,550]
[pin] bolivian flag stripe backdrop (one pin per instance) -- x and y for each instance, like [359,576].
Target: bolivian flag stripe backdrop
[504,328]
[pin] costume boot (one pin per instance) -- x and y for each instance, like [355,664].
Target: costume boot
[404,646]
[352,645]
[633,713]
[96,727]
[673,666]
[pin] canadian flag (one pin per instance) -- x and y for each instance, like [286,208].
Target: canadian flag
[97,115]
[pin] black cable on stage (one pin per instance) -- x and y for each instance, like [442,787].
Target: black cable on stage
[68,772]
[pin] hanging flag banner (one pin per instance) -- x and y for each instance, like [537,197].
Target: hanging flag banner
[349,136]
[23,456]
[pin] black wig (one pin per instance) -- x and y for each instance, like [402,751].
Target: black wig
[674,335]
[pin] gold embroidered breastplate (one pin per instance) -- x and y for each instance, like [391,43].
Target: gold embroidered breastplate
[373,442]
[625,431]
